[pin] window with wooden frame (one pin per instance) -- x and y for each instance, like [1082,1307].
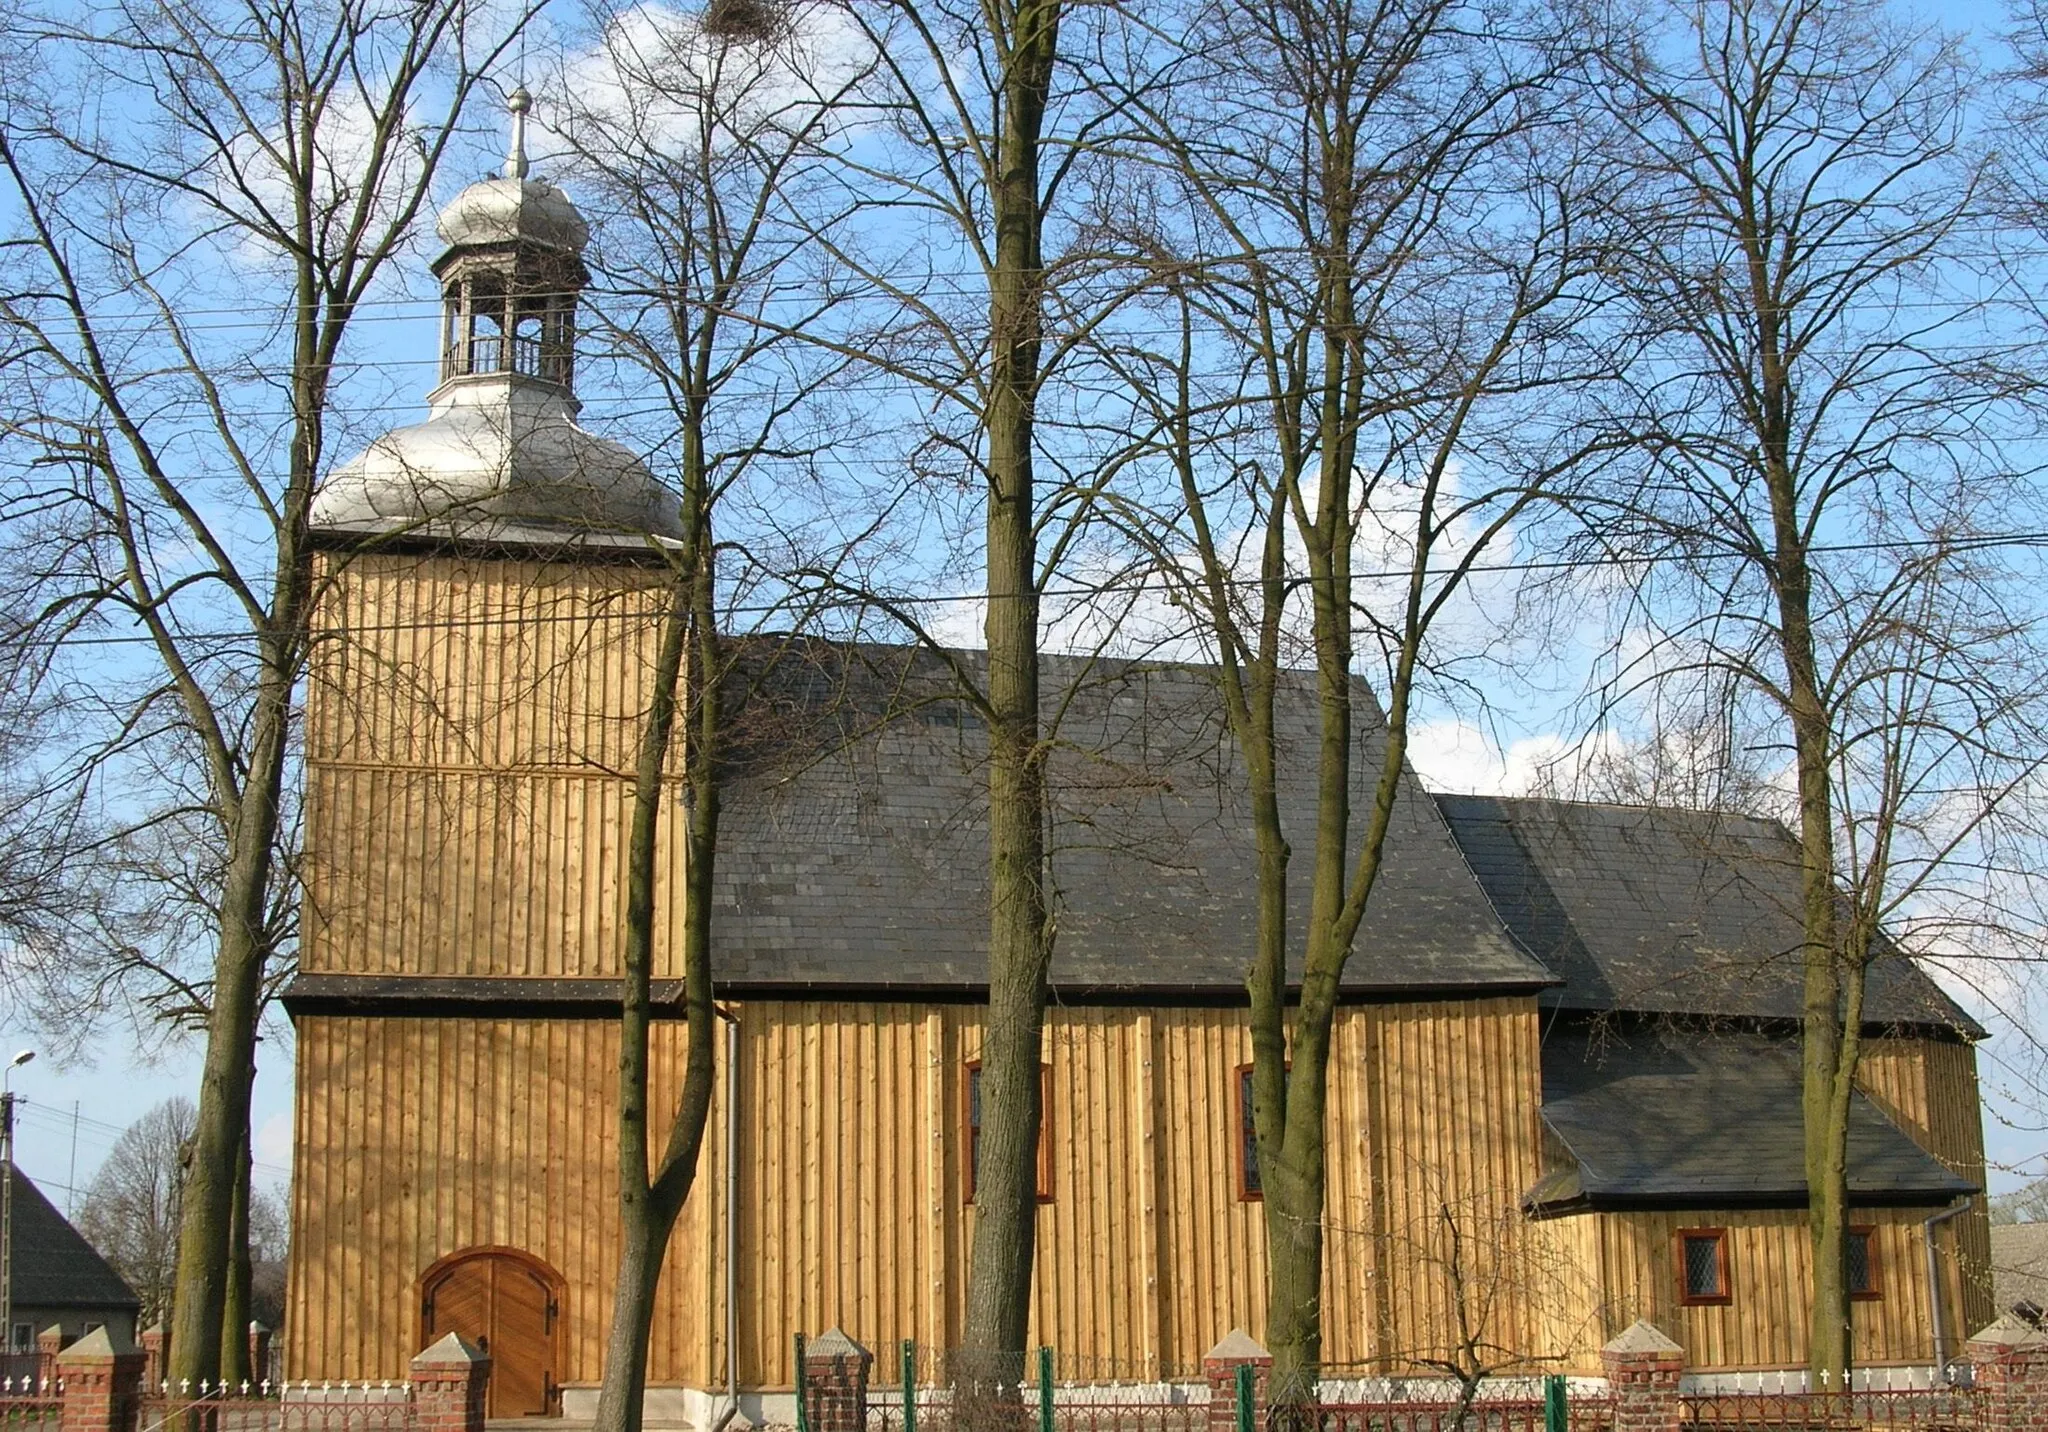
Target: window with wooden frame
[1703,1267]
[1249,1188]
[973,1120]
[1859,1263]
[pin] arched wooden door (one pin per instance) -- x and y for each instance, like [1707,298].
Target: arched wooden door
[509,1304]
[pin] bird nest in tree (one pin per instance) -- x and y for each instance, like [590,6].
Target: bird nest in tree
[748,22]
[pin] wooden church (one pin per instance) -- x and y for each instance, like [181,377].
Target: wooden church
[1568,1036]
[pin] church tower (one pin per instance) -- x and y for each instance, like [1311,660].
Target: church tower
[487,596]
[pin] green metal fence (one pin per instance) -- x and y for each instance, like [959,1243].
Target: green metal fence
[918,1394]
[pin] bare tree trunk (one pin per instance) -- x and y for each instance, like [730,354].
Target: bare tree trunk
[1005,1181]
[651,1198]
[1827,1055]
[207,1216]
[705,233]
[234,1320]
[643,1246]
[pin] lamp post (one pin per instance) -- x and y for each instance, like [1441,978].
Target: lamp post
[7,1195]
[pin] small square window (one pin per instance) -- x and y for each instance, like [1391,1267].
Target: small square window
[1859,1264]
[24,1336]
[1703,1266]
[973,1149]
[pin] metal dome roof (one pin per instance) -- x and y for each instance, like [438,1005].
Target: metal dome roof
[498,458]
[513,211]
[512,208]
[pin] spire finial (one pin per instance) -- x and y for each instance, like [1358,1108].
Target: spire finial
[519,102]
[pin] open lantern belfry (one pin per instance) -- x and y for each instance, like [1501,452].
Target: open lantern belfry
[512,273]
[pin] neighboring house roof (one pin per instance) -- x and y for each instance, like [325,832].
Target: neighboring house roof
[54,1267]
[2019,1265]
[1665,911]
[852,846]
[1658,1116]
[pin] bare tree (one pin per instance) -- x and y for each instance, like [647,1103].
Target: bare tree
[204,194]
[131,1209]
[1815,531]
[701,138]
[2022,1205]
[269,1246]
[1365,366]
[986,128]
[42,828]
[1506,1300]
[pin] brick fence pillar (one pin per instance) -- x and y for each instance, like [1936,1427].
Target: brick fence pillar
[152,1340]
[2010,1359]
[1643,1368]
[102,1384]
[834,1383]
[1219,1369]
[49,1342]
[259,1352]
[448,1382]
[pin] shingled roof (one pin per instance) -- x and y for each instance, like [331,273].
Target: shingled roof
[853,839]
[54,1267]
[1665,911]
[1661,1116]
[2019,1266]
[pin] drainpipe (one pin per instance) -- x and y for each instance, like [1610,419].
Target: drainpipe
[1934,1286]
[732,1217]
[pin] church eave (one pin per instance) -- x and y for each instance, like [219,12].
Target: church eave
[485,996]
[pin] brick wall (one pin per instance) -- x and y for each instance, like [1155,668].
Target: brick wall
[2010,1359]
[1643,1367]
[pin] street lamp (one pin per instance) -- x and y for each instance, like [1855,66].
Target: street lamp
[7,1195]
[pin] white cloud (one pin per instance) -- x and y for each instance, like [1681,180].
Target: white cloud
[1457,756]
[656,80]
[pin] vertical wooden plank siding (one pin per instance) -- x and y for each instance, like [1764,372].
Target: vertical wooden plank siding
[469,726]
[1769,1269]
[1212,1243]
[450,661]
[1928,1087]
[464,1162]
[1459,1094]
[469,730]
[443,1134]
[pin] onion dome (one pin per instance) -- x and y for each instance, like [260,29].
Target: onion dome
[513,211]
[500,456]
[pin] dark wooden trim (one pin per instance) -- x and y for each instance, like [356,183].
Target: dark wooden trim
[1686,1297]
[536,544]
[1771,1200]
[1241,1092]
[440,995]
[571,998]
[430,996]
